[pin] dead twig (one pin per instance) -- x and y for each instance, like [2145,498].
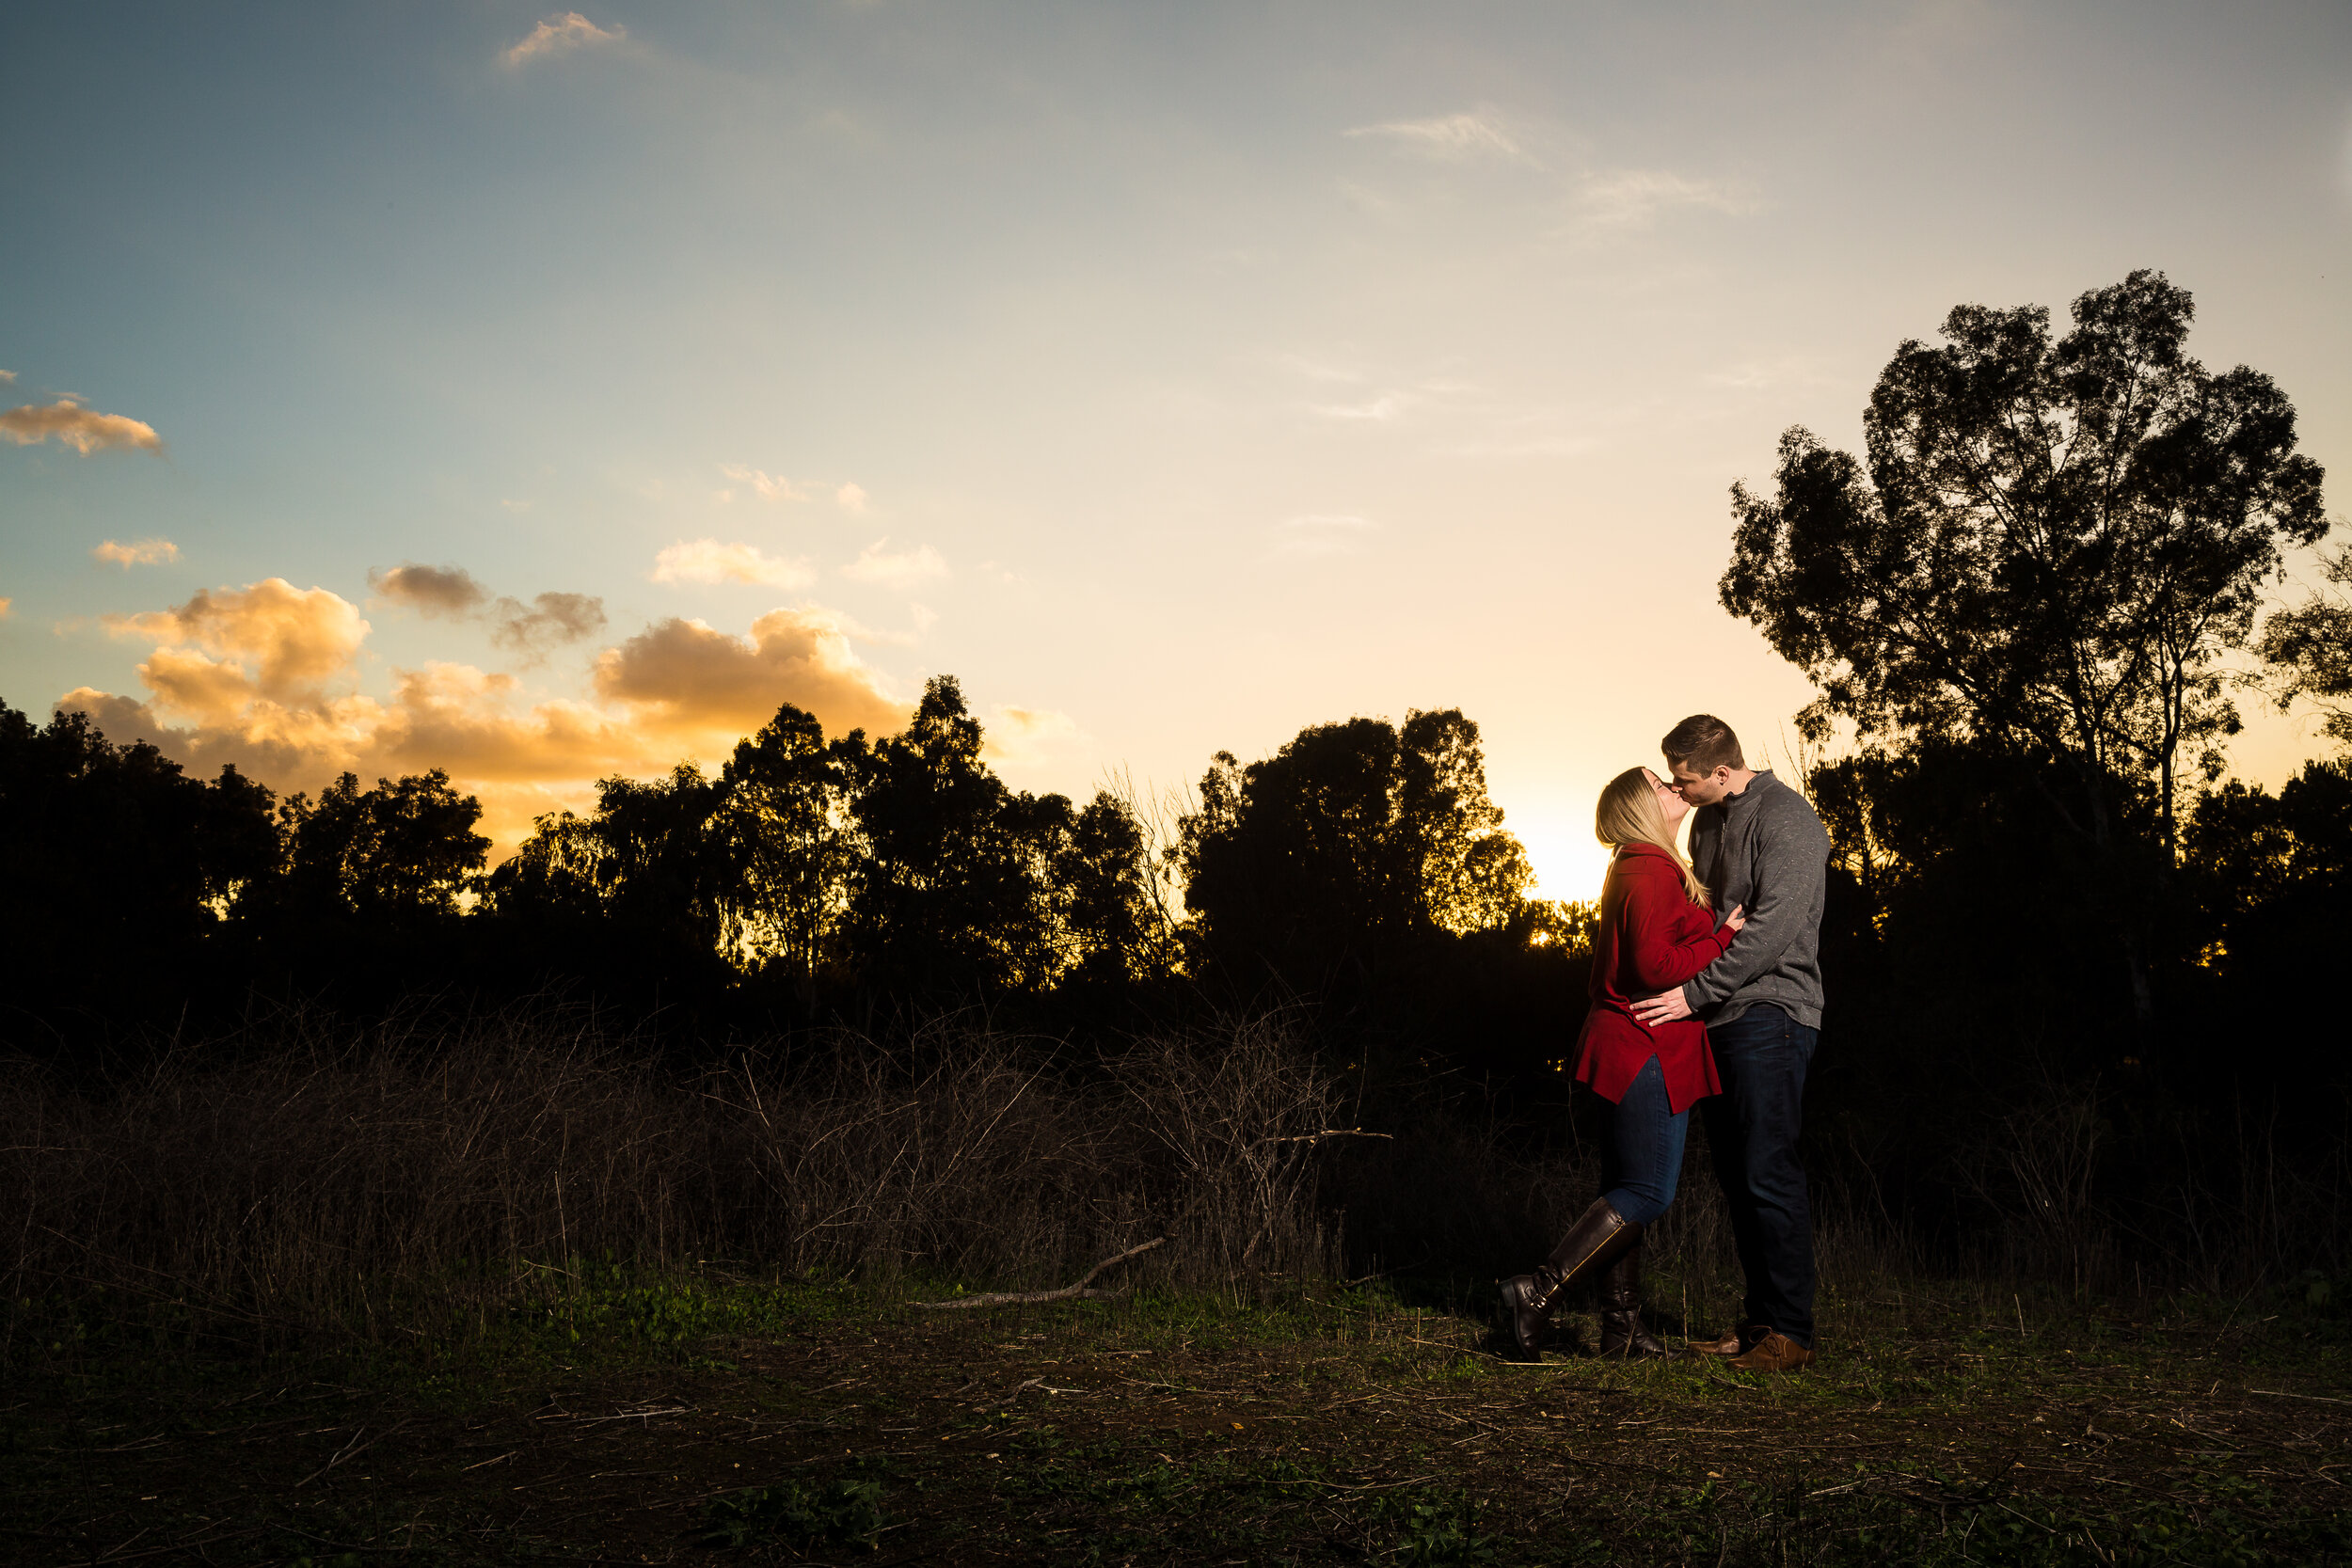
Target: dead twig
[1068,1292]
[355,1446]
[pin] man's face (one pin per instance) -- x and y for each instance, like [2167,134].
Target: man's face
[1700,789]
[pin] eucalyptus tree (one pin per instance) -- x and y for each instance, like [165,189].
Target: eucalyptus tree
[951,895]
[399,853]
[2048,545]
[2311,646]
[788,833]
[1343,854]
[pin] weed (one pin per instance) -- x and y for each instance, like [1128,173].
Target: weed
[1434,1526]
[844,1514]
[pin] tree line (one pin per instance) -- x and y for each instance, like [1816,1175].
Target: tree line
[2062,945]
[811,875]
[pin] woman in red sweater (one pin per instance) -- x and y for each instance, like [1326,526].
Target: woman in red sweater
[1655,933]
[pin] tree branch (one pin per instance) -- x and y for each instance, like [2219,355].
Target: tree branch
[1068,1292]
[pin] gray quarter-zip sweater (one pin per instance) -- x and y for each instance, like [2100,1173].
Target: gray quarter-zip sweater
[1762,847]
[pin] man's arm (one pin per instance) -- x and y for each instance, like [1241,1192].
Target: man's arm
[1794,865]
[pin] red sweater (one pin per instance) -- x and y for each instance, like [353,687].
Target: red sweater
[1651,939]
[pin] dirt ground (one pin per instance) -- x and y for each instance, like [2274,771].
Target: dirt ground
[1353,1428]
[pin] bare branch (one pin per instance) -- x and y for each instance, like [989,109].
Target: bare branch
[1068,1292]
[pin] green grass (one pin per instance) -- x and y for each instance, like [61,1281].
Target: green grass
[605,1415]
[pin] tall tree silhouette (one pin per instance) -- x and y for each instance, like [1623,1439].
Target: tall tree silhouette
[555,878]
[951,896]
[2050,546]
[1335,859]
[398,854]
[111,859]
[661,874]
[2048,549]
[1117,931]
[789,836]
[1473,877]
[2311,647]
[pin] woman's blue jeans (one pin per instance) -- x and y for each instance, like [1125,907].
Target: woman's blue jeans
[1640,1159]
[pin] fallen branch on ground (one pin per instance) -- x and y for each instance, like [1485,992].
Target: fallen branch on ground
[1068,1292]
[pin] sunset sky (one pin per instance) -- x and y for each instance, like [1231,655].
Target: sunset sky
[547,394]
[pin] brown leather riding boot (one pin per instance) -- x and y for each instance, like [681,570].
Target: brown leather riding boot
[1597,1239]
[1621,1329]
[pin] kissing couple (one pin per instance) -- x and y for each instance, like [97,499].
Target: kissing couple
[1705,990]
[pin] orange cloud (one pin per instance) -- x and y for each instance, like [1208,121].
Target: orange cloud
[684,678]
[298,639]
[262,677]
[708,561]
[457,717]
[85,430]
[556,35]
[146,552]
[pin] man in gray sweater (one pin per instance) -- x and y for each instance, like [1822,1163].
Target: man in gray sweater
[1755,842]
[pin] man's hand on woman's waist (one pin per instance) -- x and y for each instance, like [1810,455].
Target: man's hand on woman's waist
[1666,1007]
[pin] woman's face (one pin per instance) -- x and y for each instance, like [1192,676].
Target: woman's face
[1670,804]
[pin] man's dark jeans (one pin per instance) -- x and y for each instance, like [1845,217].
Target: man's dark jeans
[1752,1132]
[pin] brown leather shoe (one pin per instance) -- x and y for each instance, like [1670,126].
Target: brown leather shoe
[1736,1341]
[1774,1353]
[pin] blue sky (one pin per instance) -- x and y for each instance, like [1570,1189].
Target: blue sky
[1175,375]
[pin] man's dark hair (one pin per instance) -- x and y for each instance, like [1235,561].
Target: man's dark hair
[1703,743]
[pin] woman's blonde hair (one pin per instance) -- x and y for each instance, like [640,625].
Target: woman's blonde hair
[1629,813]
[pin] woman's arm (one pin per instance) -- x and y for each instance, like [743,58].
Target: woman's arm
[1654,900]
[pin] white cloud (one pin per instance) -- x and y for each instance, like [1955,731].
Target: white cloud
[7,376]
[851,497]
[1386,406]
[560,33]
[1479,134]
[144,552]
[1634,199]
[85,430]
[1320,534]
[1022,736]
[5,606]
[1767,375]
[878,563]
[767,486]
[1316,369]
[708,561]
